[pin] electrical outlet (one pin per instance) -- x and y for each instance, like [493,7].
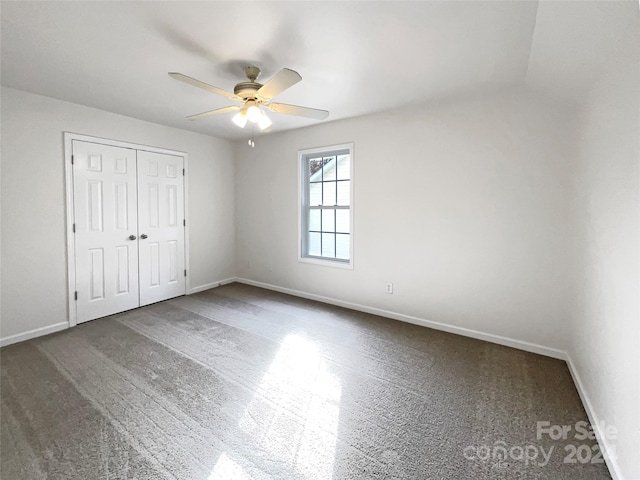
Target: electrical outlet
[388,288]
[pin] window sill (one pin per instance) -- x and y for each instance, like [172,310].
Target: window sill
[327,263]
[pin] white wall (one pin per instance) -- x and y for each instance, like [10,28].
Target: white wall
[461,205]
[605,335]
[34,270]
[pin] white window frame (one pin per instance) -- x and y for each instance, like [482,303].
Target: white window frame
[303,195]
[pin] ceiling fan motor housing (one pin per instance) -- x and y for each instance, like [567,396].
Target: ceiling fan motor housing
[247,90]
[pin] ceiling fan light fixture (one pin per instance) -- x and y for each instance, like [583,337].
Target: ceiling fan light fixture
[253,113]
[264,122]
[240,118]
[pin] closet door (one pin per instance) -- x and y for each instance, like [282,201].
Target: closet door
[106,222]
[161,226]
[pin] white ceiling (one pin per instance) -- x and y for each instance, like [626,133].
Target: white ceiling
[354,57]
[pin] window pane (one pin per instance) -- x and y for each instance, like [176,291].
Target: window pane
[328,219]
[328,245]
[315,166]
[344,167]
[314,244]
[342,221]
[329,193]
[342,246]
[344,193]
[314,219]
[315,194]
[329,170]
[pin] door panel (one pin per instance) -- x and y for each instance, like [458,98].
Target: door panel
[122,274]
[122,205]
[105,209]
[96,274]
[160,218]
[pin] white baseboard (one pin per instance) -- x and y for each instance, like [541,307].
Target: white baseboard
[207,286]
[596,424]
[38,332]
[508,342]
[612,463]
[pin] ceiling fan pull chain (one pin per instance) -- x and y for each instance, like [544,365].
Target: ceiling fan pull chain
[251,143]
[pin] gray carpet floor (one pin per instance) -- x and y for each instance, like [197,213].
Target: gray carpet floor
[241,383]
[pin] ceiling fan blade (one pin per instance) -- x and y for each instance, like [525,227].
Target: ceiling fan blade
[206,86]
[217,111]
[282,80]
[299,111]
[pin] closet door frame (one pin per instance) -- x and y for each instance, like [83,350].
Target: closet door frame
[69,137]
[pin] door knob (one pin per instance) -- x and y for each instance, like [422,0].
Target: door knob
[132,237]
[143,236]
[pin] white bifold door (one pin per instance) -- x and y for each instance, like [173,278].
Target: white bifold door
[128,228]
[161,226]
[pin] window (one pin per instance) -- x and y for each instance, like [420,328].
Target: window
[326,205]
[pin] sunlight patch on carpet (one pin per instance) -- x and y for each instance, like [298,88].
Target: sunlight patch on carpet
[294,416]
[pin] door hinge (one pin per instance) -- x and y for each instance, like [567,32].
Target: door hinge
[183,172]
[184,223]
[185,273]
[75,296]
[72,160]
[74,228]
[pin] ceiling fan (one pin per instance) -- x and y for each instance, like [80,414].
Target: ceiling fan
[254,95]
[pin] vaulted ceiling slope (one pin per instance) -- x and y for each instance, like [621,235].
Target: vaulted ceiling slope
[354,57]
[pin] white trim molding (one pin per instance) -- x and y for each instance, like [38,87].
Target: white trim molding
[596,424]
[38,332]
[208,286]
[608,450]
[466,332]
[603,442]
[57,327]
